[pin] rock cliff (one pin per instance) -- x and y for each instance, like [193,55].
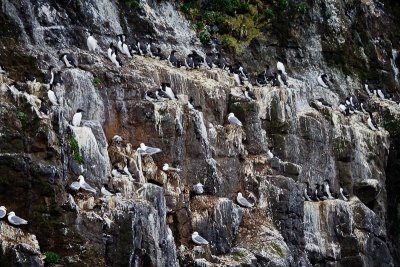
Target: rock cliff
[151,220]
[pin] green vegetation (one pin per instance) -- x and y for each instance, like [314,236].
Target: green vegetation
[96,81]
[75,150]
[51,257]
[23,118]
[237,255]
[238,22]
[131,3]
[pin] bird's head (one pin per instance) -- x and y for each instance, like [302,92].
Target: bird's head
[80,110]
[143,146]
[11,213]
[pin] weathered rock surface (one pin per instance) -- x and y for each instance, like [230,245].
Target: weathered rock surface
[150,221]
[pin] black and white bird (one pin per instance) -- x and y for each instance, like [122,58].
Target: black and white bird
[209,60]
[381,93]
[243,201]
[323,80]
[116,59]
[233,120]
[105,192]
[166,87]
[354,102]
[81,184]
[309,195]
[249,94]
[58,80]
[77,118]
[15,220]
[121,39]
[319,191]
[49,76]
[142,48]
[364,107]
[117,172]
[52,97]
[125,50]
[2,69]
[344,108]
[242,72]
[199,240]
[328,189]
[344,193]
[372,123]
[110,51]
[152,49]
[91,42]
[198,188]
[189,63]
[68,60]
[160,55]
[322,103]
[281,67]
[369,89]
[30,78]
[173,61]
[147,150]
[221,62]
[3,212]
[150,96]
[161,95]
[282,78]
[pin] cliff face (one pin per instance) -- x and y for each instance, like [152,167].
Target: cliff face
[155,214]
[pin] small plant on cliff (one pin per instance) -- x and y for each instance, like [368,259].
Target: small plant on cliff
[75,150]
[96,81]
[204,35]
[23,118]
[51,257]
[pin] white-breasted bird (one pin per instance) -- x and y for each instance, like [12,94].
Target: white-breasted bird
[166,167]
[249,94]
[199,240]
[281,67]
[372,123]
[15,220]
[91,42]
[77,118]
[198,188]
[52,97]
[81,183]
[147,150]
[233,120]
[3,212]
[323,80]
[105,192]
[243,201]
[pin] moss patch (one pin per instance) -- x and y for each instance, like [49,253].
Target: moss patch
[75,151]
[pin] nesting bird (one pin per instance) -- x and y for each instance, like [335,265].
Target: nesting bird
[198,188]
[166,167]
[372,123]
[243,201]
[91,42]
[81,183]
[249,94]
[3,212]
[323,80]
[68,60]
[15,220]
[146,150]
[197,239]
[233,120]
[77,118]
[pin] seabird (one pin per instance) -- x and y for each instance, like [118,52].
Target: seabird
[209,60]
[160,55]
[322,103]
[243,201]
[221,62]
[3,212]
[319,192]
[105,192]
[173,61]
[196,238]
[323,80]
[2,69]
[327,189]
[270,154]
[15,220]
[152,49]
[115,58]
[364,107]
[30,78]
[52,97]
[68,60]
[282,78]
[58,80]
[276,81]
[117,172]
[249,94]
[125,50]
[372,123]
[308,192]
[161,95]
[82,184]
[380,93]
[150,96]
[281,67]
[166,167]
[233,120]
[117,139]
[261,80]
[344,193]
[91,42]
[76,119]
[121,39]
[198,188]
[189,63]
[126,170]
[146,150]
[369,89]
[142,48]
[49,76]
[354,102]
[110,51]
[166,87]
